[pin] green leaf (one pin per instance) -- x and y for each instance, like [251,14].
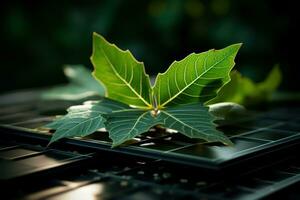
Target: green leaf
[55,124]
[126,124]
[123,76]
[79,125]
[81,85]
[244,91]
[196,78]
[194,121]
[84,119]
[272,81]
[235,90]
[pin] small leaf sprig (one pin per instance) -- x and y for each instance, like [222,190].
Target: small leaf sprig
[132,106]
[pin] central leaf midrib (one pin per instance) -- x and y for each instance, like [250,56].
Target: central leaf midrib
[133,127]
[179,92]
[137,121]
[121,78]
[182,122]
[88,119]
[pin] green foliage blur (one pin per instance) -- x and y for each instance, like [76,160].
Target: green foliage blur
[39,37]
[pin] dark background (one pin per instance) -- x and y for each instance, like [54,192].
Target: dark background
[38,38]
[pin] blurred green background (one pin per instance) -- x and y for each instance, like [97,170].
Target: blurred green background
[38,38]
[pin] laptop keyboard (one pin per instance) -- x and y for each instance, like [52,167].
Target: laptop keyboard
[154,166]
[61,175]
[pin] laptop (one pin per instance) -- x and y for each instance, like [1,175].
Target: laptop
[262,164]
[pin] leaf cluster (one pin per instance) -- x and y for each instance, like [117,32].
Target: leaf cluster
[244,91]
[131,106]
[81,85]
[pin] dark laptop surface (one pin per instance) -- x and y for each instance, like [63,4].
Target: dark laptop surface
[265,146]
